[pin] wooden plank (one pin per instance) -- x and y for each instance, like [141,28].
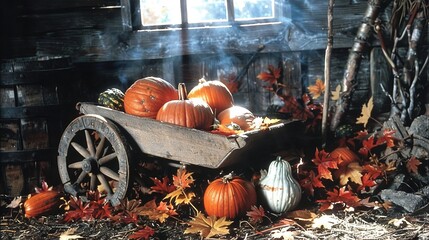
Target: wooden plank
[49,5]
[108,19]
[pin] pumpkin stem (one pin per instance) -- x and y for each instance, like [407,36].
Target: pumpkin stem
[228,177]
[183,94]
[202,80]
[279,158]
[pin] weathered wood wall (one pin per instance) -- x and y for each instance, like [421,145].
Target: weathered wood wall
[98,36]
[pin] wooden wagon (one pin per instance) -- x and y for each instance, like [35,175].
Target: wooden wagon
[96,147]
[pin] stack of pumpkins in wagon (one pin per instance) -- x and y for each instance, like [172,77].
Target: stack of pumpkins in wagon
[208,104]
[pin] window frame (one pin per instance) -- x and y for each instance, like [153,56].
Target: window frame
[280,12]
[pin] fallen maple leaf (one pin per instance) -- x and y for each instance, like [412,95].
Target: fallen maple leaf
[15,202]
[310,182]
[143,233]
[325,222]
[413,165]
[365,113]
[256,214]
[302,215]
[45,187]
[367,182]
[324,163]
[352,172]
[162,186]
[336,94]
[69,234]
[339,196]
[208,226]
[317,89]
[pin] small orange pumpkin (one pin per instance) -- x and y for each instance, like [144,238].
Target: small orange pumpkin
[345,155]
[191,113]
[238,115]
[147,95]
[43,203]
[214,93]
[229,196]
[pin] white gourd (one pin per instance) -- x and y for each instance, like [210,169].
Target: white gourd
[279,190]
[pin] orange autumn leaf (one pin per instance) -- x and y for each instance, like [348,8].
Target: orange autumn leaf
[365,113]
[271,76]
[317,89]
[339,196]
[367,182]
[413,165]
[182,179]
[352,172]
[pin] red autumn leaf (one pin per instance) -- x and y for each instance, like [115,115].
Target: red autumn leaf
[373,171]
[387,138]
[45,187]
[341,196]
[367,182]
[324,163]
[367,146]
[80,210]
[256,214]
[143,233]
[271,76]
[310,182]
[162,186]
[413,165]
[317,89]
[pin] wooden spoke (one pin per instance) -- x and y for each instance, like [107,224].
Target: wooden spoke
[82,175]
[76,165]
[107,158]
[100,147]
[93,184]
[89,143]
[110,173]
[104,182]
[81,150]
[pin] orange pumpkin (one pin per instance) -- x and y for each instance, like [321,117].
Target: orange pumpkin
[191,113]
[238,115]
[214,93]
[43,203]
[230,197]
[147,95]
[345,155]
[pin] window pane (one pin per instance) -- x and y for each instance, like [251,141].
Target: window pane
[160,12]
[206,11]
[247,9]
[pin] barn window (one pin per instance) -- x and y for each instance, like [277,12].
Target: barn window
[159,14]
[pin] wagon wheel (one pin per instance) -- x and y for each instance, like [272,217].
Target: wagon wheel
[93,155]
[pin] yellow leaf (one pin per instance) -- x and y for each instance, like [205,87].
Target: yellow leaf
[336,94]
[365,113]
[208,226]
[317,89]
[352,172]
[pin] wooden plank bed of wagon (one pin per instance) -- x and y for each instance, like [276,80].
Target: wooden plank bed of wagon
[96,146]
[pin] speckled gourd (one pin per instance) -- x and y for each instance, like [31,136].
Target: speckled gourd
[278,189]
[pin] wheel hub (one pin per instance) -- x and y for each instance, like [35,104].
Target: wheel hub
[90,165]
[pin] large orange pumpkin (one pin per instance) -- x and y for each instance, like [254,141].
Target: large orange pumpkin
[230,197]
[214,93]
[191,113]
[147,95]
[42,204]
[238,115]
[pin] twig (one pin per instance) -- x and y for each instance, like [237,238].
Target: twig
[327,70]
